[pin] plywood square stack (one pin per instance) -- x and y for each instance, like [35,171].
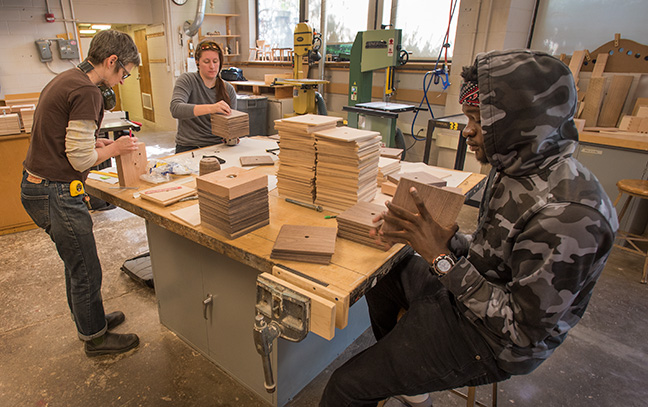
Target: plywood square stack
[230,126]
[347,167]
[386,167]
[296,173]
[26,114]
[9,124]
[311,244]
[233,201]
[356,222]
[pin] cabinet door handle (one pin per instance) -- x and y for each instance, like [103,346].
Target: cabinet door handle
[206,302]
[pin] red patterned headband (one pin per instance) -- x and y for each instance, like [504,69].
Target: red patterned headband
[469,94]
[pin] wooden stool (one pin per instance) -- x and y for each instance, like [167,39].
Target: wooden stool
[471,401]
[634,188]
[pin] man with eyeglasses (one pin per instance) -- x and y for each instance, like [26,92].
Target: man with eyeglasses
[62,150]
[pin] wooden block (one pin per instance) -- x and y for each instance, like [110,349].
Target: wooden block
[256,160]
[9,124]
[418,176]
[168,194]
[270,77]
[580,124]
[614,100]
[642,111]
[232,182]
[388,188]
[643,125]
[190,215]
[633,123]
[334,294]
[131,165]
[593,99]
[322,311]
[638,103]
[442,204]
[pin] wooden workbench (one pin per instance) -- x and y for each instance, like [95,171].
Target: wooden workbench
[191,264]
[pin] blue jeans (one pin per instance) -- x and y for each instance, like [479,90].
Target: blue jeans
[67,221]
[432,347]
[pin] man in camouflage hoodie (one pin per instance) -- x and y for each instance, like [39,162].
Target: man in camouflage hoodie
[522,279]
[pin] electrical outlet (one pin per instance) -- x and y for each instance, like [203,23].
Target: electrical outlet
[69,49]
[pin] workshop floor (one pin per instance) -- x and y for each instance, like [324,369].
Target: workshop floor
[603,362]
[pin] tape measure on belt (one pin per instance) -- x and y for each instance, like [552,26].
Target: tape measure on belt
[76,188]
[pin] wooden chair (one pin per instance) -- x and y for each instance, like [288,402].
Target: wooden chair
[634,188]
[470,396]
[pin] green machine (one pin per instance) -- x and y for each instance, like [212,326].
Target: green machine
[373,50]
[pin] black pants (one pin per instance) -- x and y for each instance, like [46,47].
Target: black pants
[431,348]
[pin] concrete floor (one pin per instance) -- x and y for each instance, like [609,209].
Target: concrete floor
[603,362]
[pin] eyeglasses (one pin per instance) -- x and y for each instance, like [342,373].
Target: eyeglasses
[127,74]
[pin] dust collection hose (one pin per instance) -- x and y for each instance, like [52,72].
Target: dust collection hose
[321,105]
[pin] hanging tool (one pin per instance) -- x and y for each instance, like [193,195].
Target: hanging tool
[76,189]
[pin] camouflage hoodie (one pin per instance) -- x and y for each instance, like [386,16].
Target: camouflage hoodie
[546,226]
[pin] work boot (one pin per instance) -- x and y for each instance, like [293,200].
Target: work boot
[114,319]
[110,343]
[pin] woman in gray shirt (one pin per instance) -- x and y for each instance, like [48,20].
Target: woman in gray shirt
[198,94]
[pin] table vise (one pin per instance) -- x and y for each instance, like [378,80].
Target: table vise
[281,312]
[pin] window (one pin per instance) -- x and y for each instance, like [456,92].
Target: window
[277,20]
[344,18]
[424,24]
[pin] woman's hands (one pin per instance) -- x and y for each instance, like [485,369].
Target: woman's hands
[220,107]
[419,230]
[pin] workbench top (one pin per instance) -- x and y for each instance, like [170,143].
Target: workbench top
[353,267]
[614,138]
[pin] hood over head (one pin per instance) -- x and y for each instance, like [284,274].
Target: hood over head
[527,102]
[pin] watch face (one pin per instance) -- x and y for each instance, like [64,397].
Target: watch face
[443,265]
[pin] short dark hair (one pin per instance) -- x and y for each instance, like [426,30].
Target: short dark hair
[469,73]
[112,42]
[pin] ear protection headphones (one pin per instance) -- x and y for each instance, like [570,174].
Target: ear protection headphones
[109,98]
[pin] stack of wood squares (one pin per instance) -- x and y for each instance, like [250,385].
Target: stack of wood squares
[230,126]
[356,222]
[233,201]
[347,167]
[9,123]
[296,173]
[386,167]
[26,114]
[311,244]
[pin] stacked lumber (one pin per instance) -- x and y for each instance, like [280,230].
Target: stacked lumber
[311,244]
[231,126]
[233,201]
[386,167]
[347,167]
[356,222]
[443,204]
[9,124]
[395,153]
[26,113]
[296,173]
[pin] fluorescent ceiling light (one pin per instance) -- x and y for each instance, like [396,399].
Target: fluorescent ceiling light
[101,26]
[87,31]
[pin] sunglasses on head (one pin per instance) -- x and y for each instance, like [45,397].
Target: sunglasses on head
[209,45]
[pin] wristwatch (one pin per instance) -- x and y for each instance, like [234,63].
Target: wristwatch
[443,263]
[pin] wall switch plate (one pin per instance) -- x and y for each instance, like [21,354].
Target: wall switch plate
[69,49]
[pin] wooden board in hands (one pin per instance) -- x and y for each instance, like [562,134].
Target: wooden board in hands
[131,165]
[443,204]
